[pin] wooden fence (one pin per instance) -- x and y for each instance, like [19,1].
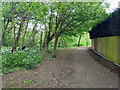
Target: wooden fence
[108,47]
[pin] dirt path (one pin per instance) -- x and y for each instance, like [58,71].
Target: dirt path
[73,68]
[90,74]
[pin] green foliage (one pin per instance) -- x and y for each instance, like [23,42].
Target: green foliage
[54,78]
[48,51]
[17,83]
[40,82]
[51,58]
[65,20]
[12,83]
[24,59]
[28,82]
[21,74]
[35,73]
[3,82]
[12,88]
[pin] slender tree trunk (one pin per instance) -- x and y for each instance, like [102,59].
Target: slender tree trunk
[47,45]
[31,41]
[54,49]
[57,35]
[13,30]
[19,32]
[59,44]
[48,40]
[41,40]
[44,44]
[45,39]
[50,27]
[4,33]
[7,23]
[18,35]
[15,40]
[55,43]
[56,38]
[86,43]
[79,41]
[24,34]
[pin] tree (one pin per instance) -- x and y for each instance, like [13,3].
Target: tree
[79,41]
[24,16]
[60,19]
[72,18]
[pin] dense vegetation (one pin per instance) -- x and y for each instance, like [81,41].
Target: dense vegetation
[32,26]
[20,59]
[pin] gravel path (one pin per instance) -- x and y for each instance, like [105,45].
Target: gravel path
[73,68]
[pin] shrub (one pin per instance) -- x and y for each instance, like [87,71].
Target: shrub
[24,59]
[48,51]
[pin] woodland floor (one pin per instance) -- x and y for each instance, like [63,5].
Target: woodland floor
[73,68]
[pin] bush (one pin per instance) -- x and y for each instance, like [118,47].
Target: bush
[24,59]
[48,51]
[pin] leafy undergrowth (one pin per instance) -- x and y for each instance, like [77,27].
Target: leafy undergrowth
[20,59]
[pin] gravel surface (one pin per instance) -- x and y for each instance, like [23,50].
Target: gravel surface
[73,68]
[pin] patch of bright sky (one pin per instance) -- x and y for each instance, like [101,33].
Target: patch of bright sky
[40,27]
[113,5]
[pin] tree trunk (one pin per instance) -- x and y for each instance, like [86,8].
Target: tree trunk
[44,44]
[24,34]
[54,49]
[5,27]
[79,41]
[7,24]
[49,38]
[50,27]
[16,40]
[5,32]
[86,43]
[59,44]
[18,35]
[56,38]
[13,30]
[57,35]
[31,41]
[47,45]
[55,43]
[41,40]
[45,39]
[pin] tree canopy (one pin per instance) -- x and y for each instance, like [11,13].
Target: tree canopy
[36,24]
